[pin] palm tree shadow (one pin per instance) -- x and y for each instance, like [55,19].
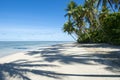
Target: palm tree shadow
[111,60]
[55,54]
[100,45]
[44,51]
[19,69]
[16,69]
[68,59]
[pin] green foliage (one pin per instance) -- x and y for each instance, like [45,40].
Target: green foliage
[96,36]
[68,27]
[83,38]
[88,24]
[111,27]
[109,32]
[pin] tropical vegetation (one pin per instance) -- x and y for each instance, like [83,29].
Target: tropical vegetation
[94,21]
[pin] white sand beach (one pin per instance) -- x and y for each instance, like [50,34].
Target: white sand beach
[70,61]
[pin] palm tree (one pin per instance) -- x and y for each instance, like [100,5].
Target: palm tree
[68,27]
[116,4]
[76,18]
[80,15]
[80,20]
[70,9]
[104,13]
[112,4]
[90,12]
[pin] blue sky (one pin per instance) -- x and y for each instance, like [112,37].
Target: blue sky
[33,20]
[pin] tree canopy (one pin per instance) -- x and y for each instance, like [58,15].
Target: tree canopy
[86,21]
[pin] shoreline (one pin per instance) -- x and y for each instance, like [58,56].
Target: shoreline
[18,49]
[64,61]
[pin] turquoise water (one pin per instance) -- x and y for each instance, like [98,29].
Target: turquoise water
[10,47]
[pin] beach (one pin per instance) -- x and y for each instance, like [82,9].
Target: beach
[70,61]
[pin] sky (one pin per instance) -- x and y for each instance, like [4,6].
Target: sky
[33,20]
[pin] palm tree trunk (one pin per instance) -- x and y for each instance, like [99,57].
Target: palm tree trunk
[87,34]
[73,37]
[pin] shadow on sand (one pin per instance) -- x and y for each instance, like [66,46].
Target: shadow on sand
[111,59]
[100,45]
[19,68]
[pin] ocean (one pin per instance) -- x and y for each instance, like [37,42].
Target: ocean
[11,47]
